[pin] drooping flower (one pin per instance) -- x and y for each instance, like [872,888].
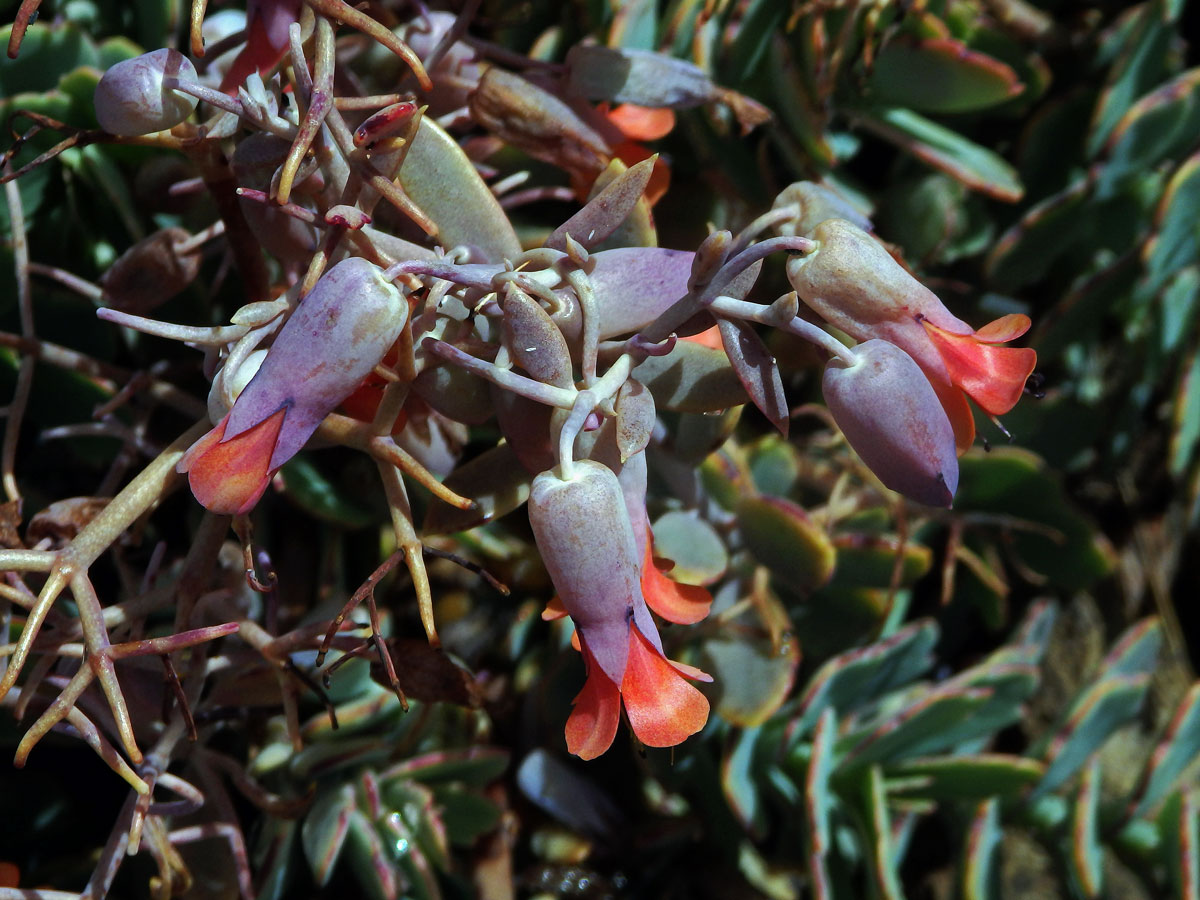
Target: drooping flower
[331,342]
[856,286]
[587,542]
[890,415]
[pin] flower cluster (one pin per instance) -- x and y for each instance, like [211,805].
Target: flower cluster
[392,305]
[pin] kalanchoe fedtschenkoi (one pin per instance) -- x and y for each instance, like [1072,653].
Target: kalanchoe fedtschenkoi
[134,96]
[855,285]
[267,23]
[331,342]
[587,542]
[890,415]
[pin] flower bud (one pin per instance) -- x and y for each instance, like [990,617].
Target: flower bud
[534,120]
[855,285]
[586,541]
[132,97]
[150,272]
[891,416]
[814,203]
[534,341]
[331,342]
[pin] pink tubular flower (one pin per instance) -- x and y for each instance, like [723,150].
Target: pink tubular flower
[331,342]
[587,542]
[855,285]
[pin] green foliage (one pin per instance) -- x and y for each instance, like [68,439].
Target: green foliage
[889,712]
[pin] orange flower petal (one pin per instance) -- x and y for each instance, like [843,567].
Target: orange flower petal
[1005,329]
[684,604]
[593,722]
[691,671]
[554,609]
[663,709]
[958,411]
[642,123]
[228,477]
[992,376]
[256,56]
[10,875]
[710,337]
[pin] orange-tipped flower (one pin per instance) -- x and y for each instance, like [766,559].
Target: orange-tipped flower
[683,604]
[663,708]
[855,285]
[586,539]
[331,342]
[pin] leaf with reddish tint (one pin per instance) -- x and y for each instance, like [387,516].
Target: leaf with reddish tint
[940,75]
[604,213]
[426,673]
[782,537]
[975,166]
[756,370]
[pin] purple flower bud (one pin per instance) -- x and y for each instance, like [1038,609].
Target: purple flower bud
[892,418]
[132,97]
[586,541]
[331,342]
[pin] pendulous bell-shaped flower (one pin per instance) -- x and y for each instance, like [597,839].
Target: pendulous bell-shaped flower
[331,342]
[855,285]
[586,540]
[891,416]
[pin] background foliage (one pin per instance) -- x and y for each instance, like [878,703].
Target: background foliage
[996,701]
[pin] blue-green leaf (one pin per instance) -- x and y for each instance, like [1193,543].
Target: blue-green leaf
[325,829]
[1136,651]
[1157,126]
[927,726]
[983,838]
[977,167]
[1179,748]
[1102,709]
[1176,242]
[1186,418]
[1141,63]
[857,677]
[884,865]
[1086,859]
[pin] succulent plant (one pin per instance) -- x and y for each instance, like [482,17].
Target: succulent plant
[658,330]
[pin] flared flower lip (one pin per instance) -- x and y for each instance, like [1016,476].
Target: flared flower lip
[662,707]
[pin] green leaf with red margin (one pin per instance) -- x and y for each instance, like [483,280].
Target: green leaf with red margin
[983,839]
[1103,708]
[948,151]
[781,536]
[975,777]
[857,677]
[1176,240]
[1178,749]
[940,75]
[1085,862]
